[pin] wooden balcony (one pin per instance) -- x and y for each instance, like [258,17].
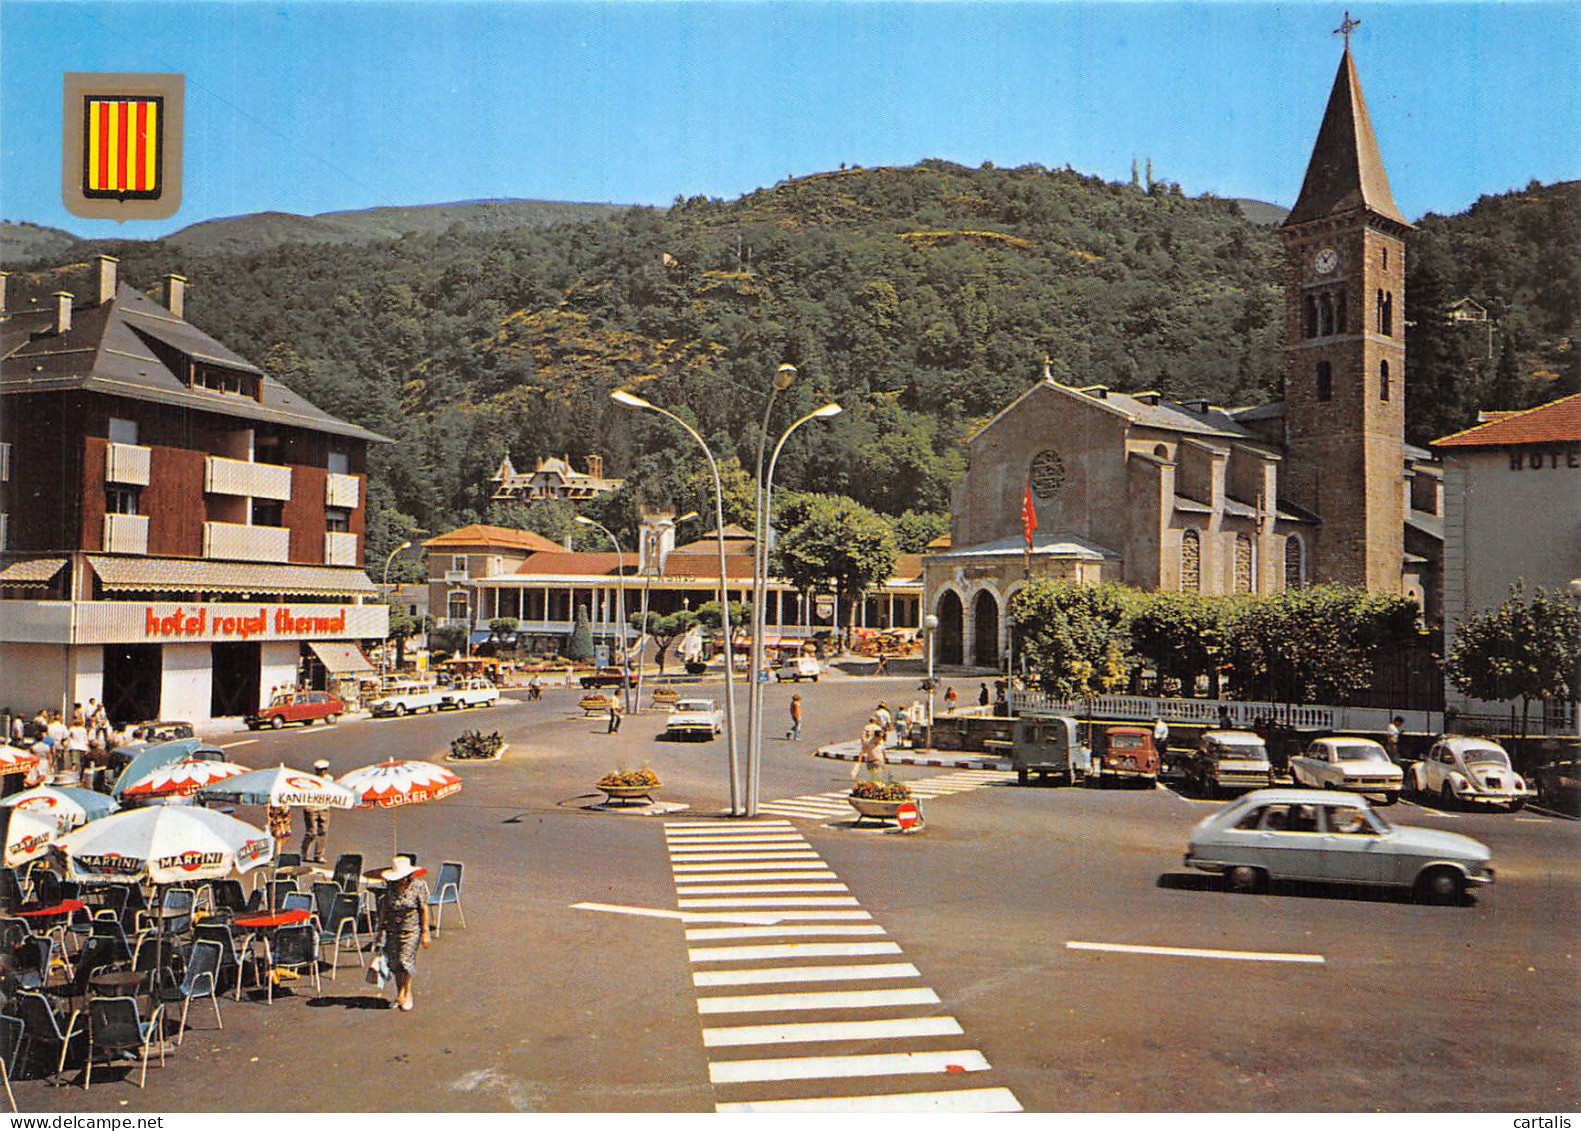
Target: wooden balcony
[230,541]
[223,476]
[126,533]
[127,463]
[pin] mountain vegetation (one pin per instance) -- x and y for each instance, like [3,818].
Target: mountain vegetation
[923,299]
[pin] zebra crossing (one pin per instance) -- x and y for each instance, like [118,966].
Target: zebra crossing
[829,806]
[799,989]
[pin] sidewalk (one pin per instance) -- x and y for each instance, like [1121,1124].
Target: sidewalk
[948,759]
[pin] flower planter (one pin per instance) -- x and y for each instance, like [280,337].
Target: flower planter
[880,810]
[614,794]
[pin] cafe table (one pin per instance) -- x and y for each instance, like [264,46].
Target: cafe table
[261,928]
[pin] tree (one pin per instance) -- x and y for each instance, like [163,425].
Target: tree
[1074,638]
[450,638]
[665,630]
[580,647]
[403,626]
[503,626]
[839,547]
[1526,648]
[1181,635]
[915,529]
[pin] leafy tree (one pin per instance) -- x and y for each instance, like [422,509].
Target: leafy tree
[839,547]
[915,529]
[448,639]
[1073,637]
[1527,648]
[1181,635]
[503,626]
[711,618]
[665,630]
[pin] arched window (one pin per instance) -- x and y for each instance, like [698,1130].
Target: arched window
[1309,319]
[1385,314]
[1339,311]
[1161,451]
[1243,564]
[1383,380]
[1325,316]
[1295,563]
[1325,381]
[1190,562]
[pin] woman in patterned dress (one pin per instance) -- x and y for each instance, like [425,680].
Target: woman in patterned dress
[403,915]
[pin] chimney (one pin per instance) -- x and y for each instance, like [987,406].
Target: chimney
[107,265]
[1148,397]
[63,311]
[595,466]
[176,295]
[1198,406]
[4,275]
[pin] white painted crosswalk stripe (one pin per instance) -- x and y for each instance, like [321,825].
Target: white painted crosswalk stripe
[835,1067]
[745,877]
[789,950]
[706,934]
[772,901]
[770,975]
[839,999]
[704,857]
[684,827]
[945,1103]
[682,870]
[765,889]
[739,1036]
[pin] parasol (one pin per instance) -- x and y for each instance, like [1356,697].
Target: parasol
[388,785]
[181,779]
[280,785]
[70,805]
[27,835]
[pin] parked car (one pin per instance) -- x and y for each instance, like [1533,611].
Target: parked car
[471,691]
[1558,786]
[1468,771]
[163,730]
[1048,746]
[1226,759]
[1125,753]
[609,677]
[406,697]
[305,707]
[690,718]
[797,668]
[1344,762]
[1323,836]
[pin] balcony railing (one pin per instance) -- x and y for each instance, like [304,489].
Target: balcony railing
[127,463]
[457,575]
[126,533]
[340,549]
[230,541]
[342,491]
[223,476]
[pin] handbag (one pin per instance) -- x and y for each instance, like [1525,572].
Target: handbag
[378,971]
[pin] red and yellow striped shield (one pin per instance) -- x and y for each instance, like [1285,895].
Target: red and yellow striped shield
[121,154]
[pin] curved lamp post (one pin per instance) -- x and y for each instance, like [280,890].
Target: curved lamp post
[930,625]
[759,585]
[647,584]
[631,400]
[620,602]
[386,588]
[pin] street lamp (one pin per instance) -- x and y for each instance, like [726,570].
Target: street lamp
[759,585]
[631,400]
[647,584]
[386,590]
[620,602]
[930,624]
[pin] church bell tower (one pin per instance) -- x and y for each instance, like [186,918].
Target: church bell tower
[1344,374]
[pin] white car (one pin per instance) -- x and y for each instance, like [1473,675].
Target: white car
[1470,771]
[472,691]
[1344,762]
[404,697]
[693,717]
[797,668]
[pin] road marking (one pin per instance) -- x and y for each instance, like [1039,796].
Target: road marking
[842,999]
[731,866]
[233,745]
[773,901]
[706,934]
[743,877]
[763,918]
[716,826]
[834,1067]
[1189,952]
[806,1032]
[789,950]
[764,889]
[706,857]
[743,838]
[966,1101]
[1534,820]
[768,975]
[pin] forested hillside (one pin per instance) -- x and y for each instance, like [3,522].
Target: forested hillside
[922,298]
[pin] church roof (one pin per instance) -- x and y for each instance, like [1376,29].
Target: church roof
[1346,171]
[1557,422]
[1054,544]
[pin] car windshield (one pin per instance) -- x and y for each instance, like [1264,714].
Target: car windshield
[1249,746]
[1359,752]
[1486,756]
[695,705]
[1125,741]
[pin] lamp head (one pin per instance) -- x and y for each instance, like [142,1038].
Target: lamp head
[930,622]
[584,520]
[784,376]
[628,400]
[828,410]
[401,547]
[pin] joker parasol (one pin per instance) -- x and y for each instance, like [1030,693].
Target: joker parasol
[387,785]
[181,779]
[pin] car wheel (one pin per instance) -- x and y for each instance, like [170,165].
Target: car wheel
[400,710]
[1440,886]
[814,679]
[1245,878]
[1022,777]
[332,720]
[1517,805]
[1447,796]
[277,722]
[1389,798]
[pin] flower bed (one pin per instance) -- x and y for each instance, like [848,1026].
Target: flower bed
[476,746]
[881,791]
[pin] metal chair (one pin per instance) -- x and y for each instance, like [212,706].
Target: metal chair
[227,898]
[287,860]
[293,949]
[297,901]
[10,890]
[278,890]
[332,931]
[200,980]
[98,953]
[41,1024]
[175,913]
[348,871]
[221,935]
[116,1027]
[324,893]
[11,1034]
[447,890]
[32,961]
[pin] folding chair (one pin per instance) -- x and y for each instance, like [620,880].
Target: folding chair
[11,1033]
[41,1024]
[294,948]
[116,1027]
[447,890]
[200,980]
[221,935]
[332,931]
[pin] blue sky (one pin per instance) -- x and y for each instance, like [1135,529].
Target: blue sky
[312,107]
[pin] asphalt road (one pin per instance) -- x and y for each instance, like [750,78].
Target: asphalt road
[1376,1004]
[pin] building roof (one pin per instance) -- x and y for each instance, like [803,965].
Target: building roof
[125,348]
[577,563]
[1346,171]
[31,572]
[1051,544]
[179,575]
[490,536]
[1557,422]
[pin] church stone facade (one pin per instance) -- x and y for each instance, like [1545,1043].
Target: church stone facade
[1135,489]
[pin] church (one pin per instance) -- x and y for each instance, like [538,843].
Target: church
[1138,490]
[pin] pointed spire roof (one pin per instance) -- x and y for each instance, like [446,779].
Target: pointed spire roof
[1346,171]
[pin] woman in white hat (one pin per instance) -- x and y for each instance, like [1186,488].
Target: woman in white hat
[403,915]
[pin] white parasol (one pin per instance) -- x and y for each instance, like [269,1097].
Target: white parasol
[387,785]
[181,779]
[28,835]
[166,844]
[280,785]
[71,805]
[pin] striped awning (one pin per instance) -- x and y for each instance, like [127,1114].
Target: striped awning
[186,575]
[37,572]
[341,659]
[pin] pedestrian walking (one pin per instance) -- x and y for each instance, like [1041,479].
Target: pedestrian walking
[279,819]
[403,916]
[982,695]
[883,665]
[1391,737]
[794,734]
[886,721]
[614,714]
[872,757]
[949,699]
[315,822]
[1160,734]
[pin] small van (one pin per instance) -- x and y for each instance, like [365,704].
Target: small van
[797,668]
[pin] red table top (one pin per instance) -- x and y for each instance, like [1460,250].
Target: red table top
[64,907]
[278,919]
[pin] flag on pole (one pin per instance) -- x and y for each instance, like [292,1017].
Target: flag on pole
[1029,516]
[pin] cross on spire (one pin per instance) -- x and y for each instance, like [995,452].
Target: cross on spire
[1347,26]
